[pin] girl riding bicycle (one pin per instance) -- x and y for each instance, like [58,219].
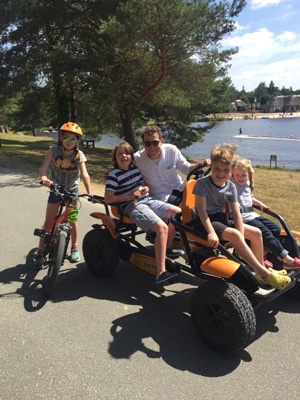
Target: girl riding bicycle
[66,165]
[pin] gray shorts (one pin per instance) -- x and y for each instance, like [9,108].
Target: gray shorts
[219,226]
[147,212]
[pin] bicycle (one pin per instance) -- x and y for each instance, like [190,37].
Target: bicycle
[58,238]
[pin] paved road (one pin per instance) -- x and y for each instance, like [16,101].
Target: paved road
[120,338]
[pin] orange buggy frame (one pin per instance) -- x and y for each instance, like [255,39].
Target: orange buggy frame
[222,307]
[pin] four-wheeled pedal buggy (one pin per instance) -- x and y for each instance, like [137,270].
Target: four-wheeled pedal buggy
[222,308]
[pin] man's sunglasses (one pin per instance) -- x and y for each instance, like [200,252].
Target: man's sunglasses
[154,143]
[69,139]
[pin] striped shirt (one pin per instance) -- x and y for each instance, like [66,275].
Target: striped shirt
[121,182]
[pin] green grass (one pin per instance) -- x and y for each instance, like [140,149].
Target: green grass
[278,188]
[26,153]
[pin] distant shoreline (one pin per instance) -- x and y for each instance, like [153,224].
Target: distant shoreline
[248,115]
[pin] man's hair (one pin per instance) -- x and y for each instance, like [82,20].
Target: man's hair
[127,148]
[150,130]
[225,153]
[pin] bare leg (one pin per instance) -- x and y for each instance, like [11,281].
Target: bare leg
[74,232]
[160,245]
[256,243]
[236,238]
[49,220]
[172,231]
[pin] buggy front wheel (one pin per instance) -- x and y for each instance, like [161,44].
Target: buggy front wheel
[100,252]
[223,316]
[56,258]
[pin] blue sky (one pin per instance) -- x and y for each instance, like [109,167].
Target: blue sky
[268,37]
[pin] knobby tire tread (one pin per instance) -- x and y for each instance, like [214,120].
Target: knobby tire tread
[223,316]
[56,261]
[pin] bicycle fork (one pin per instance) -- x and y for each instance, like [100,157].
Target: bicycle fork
[51,237]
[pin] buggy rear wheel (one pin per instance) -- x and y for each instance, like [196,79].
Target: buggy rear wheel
[100,252]
[223,316]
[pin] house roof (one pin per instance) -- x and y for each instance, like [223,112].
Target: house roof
[280,101]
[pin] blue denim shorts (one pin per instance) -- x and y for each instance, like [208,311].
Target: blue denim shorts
[53,198]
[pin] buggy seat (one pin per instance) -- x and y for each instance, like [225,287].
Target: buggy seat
[187,206]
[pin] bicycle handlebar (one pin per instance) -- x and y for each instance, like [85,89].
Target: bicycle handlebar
[59,190]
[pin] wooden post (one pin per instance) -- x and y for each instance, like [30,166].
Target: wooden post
[273,157]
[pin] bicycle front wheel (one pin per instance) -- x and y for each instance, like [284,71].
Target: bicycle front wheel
[56,259]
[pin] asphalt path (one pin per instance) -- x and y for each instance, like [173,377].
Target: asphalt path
[120,338]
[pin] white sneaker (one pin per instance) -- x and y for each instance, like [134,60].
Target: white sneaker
[75,256]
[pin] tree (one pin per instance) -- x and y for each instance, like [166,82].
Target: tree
[273,90]
[122,55]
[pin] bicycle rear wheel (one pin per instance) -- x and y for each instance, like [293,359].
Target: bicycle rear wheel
[56,259]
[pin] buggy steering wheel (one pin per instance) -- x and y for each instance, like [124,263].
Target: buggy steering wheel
[198,172]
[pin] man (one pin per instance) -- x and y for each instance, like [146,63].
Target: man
[159,164]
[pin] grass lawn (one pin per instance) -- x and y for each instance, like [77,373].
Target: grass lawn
[278,188]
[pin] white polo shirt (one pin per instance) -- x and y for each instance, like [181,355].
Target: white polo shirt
[161,175]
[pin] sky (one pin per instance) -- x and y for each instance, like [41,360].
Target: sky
[268,37]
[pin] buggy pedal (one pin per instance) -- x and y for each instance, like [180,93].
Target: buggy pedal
[171,282]
[40,232]
[175,253]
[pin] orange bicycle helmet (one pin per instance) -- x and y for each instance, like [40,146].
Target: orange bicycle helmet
[71,127]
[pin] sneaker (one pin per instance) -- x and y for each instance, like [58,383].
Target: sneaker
[75,255]
[294,265]
[268,263]
[166,278]
[38,262]
[174,252]
[150,237]
[276,280]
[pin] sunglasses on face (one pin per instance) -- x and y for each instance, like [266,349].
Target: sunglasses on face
[69,139]
[154,143]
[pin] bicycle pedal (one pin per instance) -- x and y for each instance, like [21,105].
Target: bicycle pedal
[39,232]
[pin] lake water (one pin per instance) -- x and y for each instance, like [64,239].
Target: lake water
[260,138]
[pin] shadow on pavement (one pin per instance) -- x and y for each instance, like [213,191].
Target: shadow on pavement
[161,328]
[31,288]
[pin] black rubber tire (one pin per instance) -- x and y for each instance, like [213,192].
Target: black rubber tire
[101,253]
[223,316]
[55,261]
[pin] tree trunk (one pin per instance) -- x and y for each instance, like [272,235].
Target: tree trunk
[73,107]
[63,104]
[127,124]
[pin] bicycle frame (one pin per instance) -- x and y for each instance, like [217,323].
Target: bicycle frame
[58,238]
[61,223]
